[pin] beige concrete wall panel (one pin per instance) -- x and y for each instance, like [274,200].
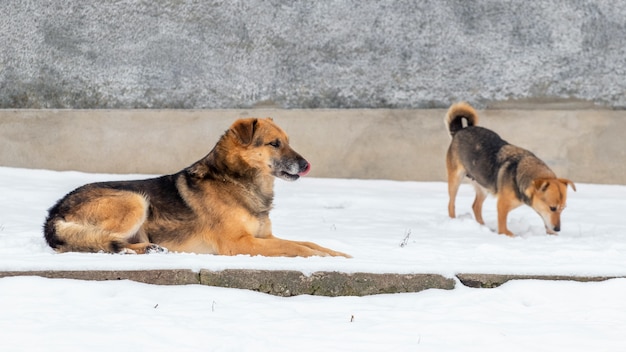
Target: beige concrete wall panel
[398,144]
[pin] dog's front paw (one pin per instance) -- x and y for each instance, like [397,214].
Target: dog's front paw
[505,232]
[340,254]
[332,253]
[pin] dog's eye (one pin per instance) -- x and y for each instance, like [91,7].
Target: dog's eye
[275,144]
[553,209]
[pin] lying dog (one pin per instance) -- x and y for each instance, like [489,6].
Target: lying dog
[515,175]
[218,205]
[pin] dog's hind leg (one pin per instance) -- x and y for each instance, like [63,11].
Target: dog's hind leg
[477,206]
[104,220]
[455,177]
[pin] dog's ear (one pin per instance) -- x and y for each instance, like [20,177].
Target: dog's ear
[198,170]
[567,182]
[244,130]
[541,184]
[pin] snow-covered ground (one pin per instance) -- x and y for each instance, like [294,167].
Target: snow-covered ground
[367,219]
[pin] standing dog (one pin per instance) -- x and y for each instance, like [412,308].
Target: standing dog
[218,205]
[515,175]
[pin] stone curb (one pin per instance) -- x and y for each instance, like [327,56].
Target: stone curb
[275,282]
[495,280]
[157,277]
[292,283]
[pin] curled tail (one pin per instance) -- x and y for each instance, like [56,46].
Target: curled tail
[455,115]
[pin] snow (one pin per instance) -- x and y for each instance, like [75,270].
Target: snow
[368,219]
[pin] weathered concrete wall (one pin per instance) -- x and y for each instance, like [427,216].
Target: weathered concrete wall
[310,54]
[584,145]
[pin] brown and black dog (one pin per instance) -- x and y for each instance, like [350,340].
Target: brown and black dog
[514,175]
[218,205]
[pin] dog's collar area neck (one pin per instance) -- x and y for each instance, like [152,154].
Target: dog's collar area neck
[521,194]
[526,199]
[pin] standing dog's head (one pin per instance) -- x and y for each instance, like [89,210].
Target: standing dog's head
[265,147]
[549,198]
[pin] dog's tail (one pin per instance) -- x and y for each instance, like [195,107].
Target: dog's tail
[456,114]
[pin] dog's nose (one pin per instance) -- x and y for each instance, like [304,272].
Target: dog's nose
[557,228]
[304,166]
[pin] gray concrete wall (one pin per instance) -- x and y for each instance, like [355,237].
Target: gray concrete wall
[398,144]
[310,54]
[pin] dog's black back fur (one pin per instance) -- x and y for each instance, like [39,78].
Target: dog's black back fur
[479,153]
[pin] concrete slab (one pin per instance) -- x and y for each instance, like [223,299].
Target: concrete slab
[495,280]
[157,277]
[279,282]
[287,283]
[293,283]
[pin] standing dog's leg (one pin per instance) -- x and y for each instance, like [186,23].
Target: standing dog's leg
[477,207]
[507,201]
[455,176]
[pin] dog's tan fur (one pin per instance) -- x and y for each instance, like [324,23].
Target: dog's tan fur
[514,175]
[218,205]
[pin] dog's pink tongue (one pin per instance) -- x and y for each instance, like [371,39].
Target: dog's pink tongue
[306,170]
